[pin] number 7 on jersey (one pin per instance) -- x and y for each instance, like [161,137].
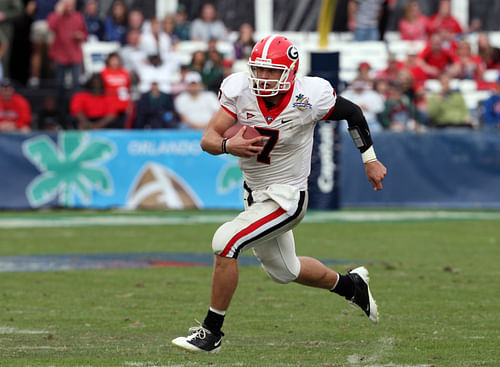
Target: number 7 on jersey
[273,135]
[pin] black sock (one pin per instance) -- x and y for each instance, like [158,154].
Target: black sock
[213,322]
[344,287]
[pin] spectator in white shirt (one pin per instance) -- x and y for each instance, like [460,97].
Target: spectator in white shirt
[131,54]
[195,106]
[370,102]
[207,26]
[158,70]
[154,40]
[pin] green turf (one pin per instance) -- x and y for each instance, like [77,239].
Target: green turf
[436,284]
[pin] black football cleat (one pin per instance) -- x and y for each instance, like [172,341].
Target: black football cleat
[362,295]
[200,340]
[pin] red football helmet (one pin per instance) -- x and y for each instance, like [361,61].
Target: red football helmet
[275,52]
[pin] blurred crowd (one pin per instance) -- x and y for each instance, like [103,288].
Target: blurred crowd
[397,97]
[145,84]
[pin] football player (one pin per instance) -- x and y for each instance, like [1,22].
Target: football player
[284,108]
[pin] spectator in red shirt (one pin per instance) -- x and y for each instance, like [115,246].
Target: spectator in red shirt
[70,32]
[116,81]
[413,25]
[448,40]
[435,59]
[365,73]
[489,54]
[414,65]
[391,72]
[443,19]
[91,108]
[471,66]
[15,111]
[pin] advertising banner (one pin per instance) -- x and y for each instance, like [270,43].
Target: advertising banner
[168,169]
[106,169]
[324,177]
[452,168]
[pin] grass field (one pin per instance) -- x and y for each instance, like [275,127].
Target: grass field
[435,278]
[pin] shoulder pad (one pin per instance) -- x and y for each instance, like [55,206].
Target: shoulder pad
[235,84]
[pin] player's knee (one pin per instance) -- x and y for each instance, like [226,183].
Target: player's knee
[283,273]
[221,239]
[281,278]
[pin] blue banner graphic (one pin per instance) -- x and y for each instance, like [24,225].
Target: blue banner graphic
[105,169]
[168,169]
[450,168]
[324,178]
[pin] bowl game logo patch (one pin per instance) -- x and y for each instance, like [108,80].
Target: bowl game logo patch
[302,102]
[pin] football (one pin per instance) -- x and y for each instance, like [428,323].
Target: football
[250,132]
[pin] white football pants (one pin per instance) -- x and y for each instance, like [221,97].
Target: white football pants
[266,228]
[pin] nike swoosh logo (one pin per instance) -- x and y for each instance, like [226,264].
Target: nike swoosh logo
[217,343]
[285,121]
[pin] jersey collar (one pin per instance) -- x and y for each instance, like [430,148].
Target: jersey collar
[271,114]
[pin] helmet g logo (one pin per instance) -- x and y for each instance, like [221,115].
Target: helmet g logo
[292,53]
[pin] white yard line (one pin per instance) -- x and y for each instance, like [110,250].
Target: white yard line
[171,219]
[13,330]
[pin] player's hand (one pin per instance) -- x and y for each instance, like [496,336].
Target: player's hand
[375,171]
[241,147]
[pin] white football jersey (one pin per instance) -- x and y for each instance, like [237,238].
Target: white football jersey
[288,128]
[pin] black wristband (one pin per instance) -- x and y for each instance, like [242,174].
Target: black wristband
[224,141]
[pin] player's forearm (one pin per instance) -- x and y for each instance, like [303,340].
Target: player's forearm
[358,127]
[211,141]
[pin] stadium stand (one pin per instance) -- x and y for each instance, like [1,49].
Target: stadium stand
[376,53]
